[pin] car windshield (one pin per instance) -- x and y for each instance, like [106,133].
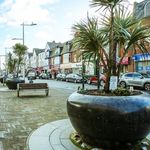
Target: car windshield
[145,75]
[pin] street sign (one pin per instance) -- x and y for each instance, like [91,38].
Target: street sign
[113,82]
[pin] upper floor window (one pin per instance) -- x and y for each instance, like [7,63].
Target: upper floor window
[147,9]
[57,51]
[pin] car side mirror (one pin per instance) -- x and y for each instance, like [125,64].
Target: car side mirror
[141,77]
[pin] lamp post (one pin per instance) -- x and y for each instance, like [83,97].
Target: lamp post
[23,39]
[23,25]
[83,71]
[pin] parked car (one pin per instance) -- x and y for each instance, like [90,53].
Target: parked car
[61,76]
[43,76]
[72,77]
[135,79]
[31,76]
[93,79]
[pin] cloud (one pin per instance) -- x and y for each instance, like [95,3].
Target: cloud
[26,11]
[42,35]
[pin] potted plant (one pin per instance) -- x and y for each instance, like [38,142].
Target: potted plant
[105,118]
[12,81]
[14,65]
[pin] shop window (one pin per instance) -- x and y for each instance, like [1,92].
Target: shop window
[147,9]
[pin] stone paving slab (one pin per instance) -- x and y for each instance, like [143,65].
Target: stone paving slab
[1,146]
[52,136]
[19,117]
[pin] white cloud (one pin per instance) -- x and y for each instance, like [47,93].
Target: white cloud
[6,4]
[3,20]
[49,27]
[42,35]
[26,11]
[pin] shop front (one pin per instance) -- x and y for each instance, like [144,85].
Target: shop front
[38,70]
[125,64]
[54,70]
[142,62]
[71,68]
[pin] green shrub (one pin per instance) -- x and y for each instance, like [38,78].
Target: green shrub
[121,92]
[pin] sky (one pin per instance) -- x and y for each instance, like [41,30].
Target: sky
[54,19]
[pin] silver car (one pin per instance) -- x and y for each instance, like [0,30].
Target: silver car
[61,76]
[135,79]
[72,77]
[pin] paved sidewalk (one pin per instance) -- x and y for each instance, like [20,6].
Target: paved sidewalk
[19,117]
[52,136]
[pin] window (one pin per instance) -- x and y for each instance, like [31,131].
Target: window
[137,75]
[146,9]
[129,75]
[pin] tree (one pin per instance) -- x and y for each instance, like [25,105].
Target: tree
[118,31]
[11,63]
[19,50]
[89,39]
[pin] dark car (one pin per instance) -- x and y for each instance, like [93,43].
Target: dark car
[72,77]
[61,76]
[135,79]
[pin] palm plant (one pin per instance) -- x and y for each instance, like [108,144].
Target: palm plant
[19,50]
[119,31]
[11,63]
[89,40]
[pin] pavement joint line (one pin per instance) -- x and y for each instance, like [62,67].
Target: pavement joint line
[55,138]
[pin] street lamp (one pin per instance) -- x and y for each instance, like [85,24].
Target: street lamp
[83,70]
[17,39]
[23,25]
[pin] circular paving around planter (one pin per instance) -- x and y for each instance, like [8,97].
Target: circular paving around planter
[52,136]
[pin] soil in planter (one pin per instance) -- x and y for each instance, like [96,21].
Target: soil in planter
[77,140]
[117,92]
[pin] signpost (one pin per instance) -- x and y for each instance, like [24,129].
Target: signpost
[113,82]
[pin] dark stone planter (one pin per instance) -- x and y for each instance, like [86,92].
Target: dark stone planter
[1,79]
[12,82]
[113,122]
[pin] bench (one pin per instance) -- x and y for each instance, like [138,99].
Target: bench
[32,86]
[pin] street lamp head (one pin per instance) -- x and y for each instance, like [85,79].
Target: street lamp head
[26,24]
[33,24]
[16,39]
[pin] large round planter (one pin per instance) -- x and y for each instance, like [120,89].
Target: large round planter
[1,79]
[110,121]
[11,83]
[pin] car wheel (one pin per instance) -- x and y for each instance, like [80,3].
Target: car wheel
[122,84]
[67,80]
[75,81]
[147,86]
[88,81]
